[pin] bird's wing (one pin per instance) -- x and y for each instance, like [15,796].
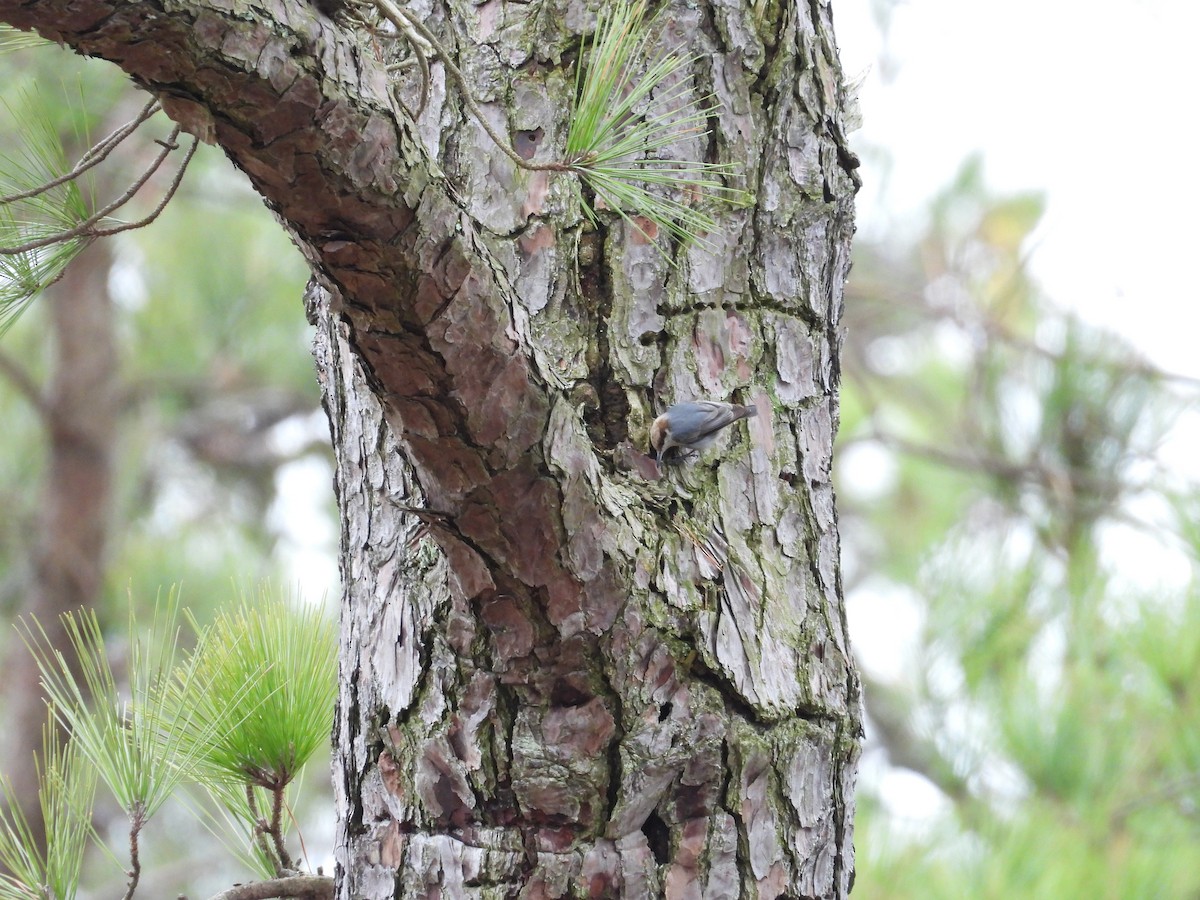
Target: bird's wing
[717,415]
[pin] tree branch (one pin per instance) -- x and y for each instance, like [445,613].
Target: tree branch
[285,859]
[312,887]
[260,830]
[93,157]
[87,228]
[25,385]
[162,204]
[135,862]
[407,22]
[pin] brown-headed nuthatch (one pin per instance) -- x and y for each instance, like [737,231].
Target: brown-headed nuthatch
[693,426]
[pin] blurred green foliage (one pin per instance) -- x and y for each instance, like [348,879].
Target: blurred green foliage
[219,399]
[214,356]
[1010,486]
[1015,498]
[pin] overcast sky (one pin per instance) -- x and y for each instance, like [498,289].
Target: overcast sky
[1093,102]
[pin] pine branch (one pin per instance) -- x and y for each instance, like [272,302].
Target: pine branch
[93,157]
[312,887]
[87,228]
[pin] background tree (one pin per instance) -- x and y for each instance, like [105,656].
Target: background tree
[1008,479]
[161,441]
[553,657]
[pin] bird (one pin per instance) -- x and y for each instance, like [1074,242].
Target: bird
[694,425]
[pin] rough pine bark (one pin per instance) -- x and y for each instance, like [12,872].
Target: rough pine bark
[559,676]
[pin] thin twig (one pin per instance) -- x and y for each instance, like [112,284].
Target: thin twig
[86,228]
[285,861]
[260,829]
[426,80]
[117,136]
[420,51]
[175,182]
[406,21]
[136,820]
[93,157]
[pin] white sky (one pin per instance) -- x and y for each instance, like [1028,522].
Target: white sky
[1093,102]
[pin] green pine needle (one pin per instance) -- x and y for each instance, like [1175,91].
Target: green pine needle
[67,787]
[270,672]
[225,814]
[14,39]
[609,141]
[247,707]
[141,743]
[39,160]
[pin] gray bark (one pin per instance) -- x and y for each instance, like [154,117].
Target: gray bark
[560,679]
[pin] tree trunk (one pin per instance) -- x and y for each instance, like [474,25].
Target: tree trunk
[558,677]
[69,550]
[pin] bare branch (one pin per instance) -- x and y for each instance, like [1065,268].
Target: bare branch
[141,223]
[87,228]
[135,862]
[117,136]
[314,887]
[407,22]
[260,830]
[93,157]
[25,385]
[285,860]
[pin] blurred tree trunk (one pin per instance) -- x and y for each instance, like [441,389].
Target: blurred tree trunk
[79,410]
[557,676]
